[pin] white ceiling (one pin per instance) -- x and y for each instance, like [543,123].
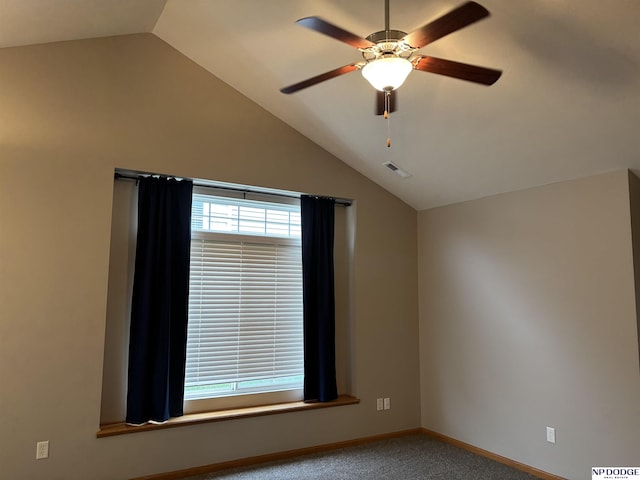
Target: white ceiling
[567,105]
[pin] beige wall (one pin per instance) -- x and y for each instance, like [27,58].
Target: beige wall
[69,114]
[528,320]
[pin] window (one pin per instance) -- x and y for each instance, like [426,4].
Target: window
[226,225]
[245,298]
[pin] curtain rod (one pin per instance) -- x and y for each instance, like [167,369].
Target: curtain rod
[197,183]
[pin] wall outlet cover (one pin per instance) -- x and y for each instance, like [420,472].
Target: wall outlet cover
[42,450]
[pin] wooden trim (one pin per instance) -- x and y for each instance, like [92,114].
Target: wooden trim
[493,456]
[207,417]
[247,462]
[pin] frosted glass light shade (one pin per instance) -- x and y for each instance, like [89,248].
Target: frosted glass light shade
[387,72]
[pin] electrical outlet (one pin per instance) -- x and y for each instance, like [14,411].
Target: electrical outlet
[379,404]
[42,450]
[551,435]
[387,404]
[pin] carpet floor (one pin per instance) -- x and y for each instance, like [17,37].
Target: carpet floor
[410,457]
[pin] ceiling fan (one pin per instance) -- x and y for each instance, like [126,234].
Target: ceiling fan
[389,55]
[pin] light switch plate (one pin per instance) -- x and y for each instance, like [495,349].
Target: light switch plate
[551,435]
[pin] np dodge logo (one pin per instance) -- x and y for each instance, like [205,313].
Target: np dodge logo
[615,473]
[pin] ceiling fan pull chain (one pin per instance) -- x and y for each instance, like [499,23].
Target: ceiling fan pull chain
[387,104]
[388,133]
[387,108]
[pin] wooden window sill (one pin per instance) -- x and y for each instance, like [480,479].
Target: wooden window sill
[206,417]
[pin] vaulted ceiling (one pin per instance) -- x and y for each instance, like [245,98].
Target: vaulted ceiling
[566,106]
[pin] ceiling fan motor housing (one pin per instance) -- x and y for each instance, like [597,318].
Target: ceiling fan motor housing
[387,43]
[386,35]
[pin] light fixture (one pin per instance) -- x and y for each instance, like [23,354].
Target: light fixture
[387,73]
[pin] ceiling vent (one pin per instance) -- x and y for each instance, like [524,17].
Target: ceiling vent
[396,169]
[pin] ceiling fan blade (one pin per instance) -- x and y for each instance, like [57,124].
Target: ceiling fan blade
[320,78]
[463,71]
[464,15]
[393,96]
[326,28]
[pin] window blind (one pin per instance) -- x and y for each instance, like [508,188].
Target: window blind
[245,313]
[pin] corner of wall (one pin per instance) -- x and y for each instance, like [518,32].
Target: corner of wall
[634,201]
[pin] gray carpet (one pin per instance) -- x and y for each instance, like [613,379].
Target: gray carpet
[404,458]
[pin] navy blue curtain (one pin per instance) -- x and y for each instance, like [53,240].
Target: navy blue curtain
[158,335]
[319,299]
